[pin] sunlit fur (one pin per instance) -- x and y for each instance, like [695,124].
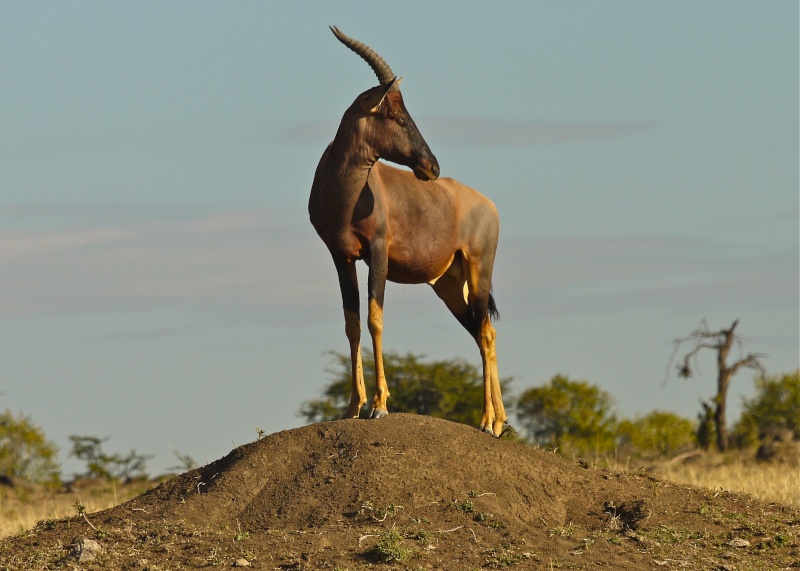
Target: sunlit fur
[409,227]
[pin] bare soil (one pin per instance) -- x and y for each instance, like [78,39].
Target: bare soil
[413,492]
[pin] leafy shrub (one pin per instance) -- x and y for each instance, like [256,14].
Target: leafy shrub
[25,452]
[574,416]
[390,548]
[775,407]
[657,433]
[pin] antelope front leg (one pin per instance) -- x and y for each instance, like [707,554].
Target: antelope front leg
[377,286]
[348,283]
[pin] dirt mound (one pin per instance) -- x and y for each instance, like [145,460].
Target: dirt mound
[422,492]
[325,473]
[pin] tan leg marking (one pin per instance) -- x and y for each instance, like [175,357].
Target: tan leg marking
[494,413]
[375,323]
[488,416]
[500,417]
[358,394]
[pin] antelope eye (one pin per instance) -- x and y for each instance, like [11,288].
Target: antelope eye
[401,120]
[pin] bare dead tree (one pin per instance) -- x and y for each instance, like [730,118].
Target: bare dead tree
[720,341]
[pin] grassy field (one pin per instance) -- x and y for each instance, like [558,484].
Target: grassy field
[778,482]
[768,481]
[23,507]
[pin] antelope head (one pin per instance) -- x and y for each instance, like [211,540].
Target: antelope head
[388,128]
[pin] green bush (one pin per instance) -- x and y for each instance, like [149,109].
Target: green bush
[390,548]
[775,406]
[657,434]
[25,452]
[573,416]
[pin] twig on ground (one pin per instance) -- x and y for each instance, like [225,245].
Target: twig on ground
[449,530]
[90,523]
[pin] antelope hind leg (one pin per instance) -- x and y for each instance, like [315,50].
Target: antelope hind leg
[453,290]
[494,415]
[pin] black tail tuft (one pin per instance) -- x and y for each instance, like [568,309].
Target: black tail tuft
[493,313]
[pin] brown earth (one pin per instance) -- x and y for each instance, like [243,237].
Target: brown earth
[413,492]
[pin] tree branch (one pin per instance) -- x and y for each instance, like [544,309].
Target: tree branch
[684,370]
[751,361]
[723,337]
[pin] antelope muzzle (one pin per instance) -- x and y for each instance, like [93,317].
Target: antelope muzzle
[427,167]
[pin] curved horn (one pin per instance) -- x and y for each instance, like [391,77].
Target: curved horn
[376,62]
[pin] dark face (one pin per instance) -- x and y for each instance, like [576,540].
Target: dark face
[398,140]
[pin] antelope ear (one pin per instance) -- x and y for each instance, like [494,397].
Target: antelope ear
[374,97]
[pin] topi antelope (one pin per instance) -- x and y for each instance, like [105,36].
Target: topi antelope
[408,228]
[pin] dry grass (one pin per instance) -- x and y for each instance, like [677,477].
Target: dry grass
[777,482]
[23,508]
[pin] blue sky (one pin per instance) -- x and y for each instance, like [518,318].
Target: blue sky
[160,282]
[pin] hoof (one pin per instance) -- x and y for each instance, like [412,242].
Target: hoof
[487,430]
[378,413]
[348,415]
